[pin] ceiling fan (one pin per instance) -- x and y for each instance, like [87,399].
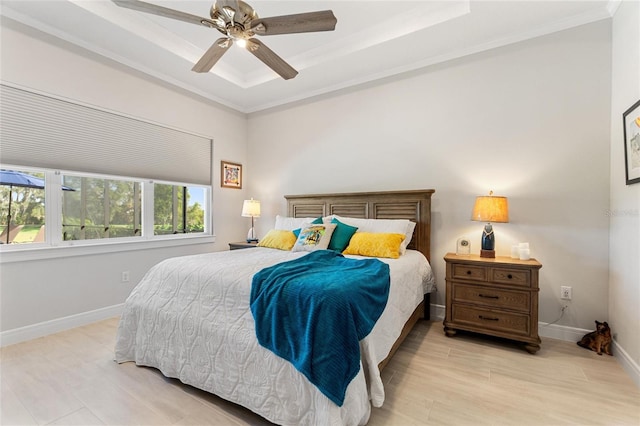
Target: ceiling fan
[239,23]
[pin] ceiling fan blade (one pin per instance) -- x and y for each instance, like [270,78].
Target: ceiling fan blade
[273,61]
[212,55]
[164,11]
[299,23]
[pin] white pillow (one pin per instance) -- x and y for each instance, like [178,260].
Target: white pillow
[314,237]
[291,223]
[387,226]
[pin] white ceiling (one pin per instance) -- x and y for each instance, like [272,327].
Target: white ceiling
[372,40]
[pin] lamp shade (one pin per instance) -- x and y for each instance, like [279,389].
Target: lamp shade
[251,208]
[489,208]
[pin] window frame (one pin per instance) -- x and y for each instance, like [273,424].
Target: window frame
[55,247]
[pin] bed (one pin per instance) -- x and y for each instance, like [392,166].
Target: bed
[190,318]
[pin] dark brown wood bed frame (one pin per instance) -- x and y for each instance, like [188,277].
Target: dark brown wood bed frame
[414,205]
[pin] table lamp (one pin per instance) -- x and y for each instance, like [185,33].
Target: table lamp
[251,208]
[490,209]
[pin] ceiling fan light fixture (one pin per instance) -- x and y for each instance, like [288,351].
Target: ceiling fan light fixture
[239,22]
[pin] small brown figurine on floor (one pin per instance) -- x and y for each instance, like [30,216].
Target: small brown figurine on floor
[599,340]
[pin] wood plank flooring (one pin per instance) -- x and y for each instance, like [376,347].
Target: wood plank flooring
[70,379]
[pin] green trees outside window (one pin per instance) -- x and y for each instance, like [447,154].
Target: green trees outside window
[98,208]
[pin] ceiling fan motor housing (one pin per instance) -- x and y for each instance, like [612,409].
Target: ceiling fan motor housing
[234,22]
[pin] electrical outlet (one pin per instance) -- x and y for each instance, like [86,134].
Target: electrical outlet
[125,276]
[565,292]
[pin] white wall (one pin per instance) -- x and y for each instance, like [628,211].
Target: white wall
[529,121]
[624,264]
[46,290]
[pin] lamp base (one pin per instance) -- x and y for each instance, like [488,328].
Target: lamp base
[488,253]
[251,236]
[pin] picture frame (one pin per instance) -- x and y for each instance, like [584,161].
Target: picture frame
[230,175]
[631,123]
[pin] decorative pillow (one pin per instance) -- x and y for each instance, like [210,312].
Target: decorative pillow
[341,235]
[390,226]
[317,220]
[280,239]
[375,244]
[314,237]
[291,223]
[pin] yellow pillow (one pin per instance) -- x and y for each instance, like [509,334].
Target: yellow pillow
[278,239]
[375,244]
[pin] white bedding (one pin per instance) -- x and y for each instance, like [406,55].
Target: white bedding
[190,318]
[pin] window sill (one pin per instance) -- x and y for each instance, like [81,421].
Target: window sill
[91,247]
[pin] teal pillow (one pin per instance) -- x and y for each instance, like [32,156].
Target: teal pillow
[316,221]
[341,236]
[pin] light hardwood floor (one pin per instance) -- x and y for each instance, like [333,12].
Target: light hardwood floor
[70,379]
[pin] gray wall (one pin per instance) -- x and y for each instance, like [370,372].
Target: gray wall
[536,121]
[624,273]
[38,291]
[529,121]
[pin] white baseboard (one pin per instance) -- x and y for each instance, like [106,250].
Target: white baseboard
[568,334]
[34,331]
[437,312]
[561,332]
[630,366]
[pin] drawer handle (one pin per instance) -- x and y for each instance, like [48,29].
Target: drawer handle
[488,318]
[509,276]
[468,272]
[488,296]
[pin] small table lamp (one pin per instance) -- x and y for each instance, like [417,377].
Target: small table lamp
[490,209]
[251,208]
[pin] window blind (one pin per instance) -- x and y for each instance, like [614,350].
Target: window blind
[42,131]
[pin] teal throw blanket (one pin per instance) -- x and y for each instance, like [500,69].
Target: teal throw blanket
[313,311]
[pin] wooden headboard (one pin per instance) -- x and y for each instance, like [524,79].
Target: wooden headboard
[414,205]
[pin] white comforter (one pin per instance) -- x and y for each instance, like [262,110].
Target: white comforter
[190,318]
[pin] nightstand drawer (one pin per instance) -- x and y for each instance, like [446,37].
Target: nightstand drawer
[469,272]
[510,276]
[491,297]
[506,322]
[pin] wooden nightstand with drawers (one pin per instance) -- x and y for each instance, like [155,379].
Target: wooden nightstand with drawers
[242,245]
[495,296]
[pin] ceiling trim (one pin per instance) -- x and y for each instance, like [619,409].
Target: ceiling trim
[405,22]
[585,18]
[91,48]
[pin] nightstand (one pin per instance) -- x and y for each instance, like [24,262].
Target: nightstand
[494,296]
[241,245]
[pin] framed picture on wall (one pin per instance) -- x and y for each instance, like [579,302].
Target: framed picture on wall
[231,175]
[631,120]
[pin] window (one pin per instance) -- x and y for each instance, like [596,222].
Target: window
[22,206]
[96,207]
[177,209]
[111,202]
